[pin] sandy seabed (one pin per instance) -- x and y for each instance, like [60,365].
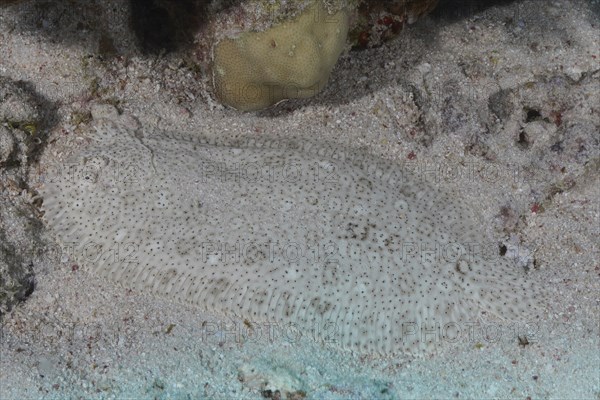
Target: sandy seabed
[506,96]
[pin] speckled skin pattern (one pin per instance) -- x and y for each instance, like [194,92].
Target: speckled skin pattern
[319,237]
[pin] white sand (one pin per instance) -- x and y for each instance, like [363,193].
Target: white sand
[80,337]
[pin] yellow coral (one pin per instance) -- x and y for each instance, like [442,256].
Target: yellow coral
[291,60]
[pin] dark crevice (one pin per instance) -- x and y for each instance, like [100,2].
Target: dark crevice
[166,25]
[532,115]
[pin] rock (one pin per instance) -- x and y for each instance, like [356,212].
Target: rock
[263,52]
[100,111]
[272,381]
[17,106]
[16,262]
[7,144]
[378,21]
[22,240]
[501,103]
[290,60]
